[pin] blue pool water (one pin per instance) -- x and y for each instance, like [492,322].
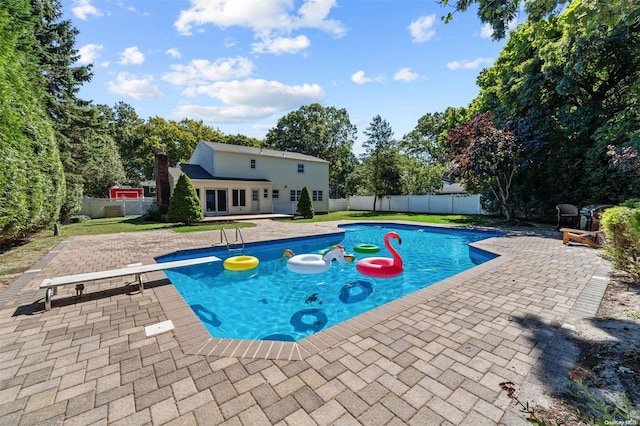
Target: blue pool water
[272,303]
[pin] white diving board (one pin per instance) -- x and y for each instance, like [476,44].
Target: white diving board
[52,284]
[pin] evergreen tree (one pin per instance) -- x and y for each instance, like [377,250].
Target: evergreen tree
[382,159]
[305,207]
[184,205]
[63,78]
[31,176]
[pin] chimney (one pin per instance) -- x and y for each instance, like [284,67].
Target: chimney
[163,191]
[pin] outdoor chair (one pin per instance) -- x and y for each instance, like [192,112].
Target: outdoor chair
[568,214]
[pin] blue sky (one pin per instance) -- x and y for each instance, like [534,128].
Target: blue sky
[240,65]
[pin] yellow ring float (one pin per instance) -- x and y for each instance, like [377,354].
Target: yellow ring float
[241,263]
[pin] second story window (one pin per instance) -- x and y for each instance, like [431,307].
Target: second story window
[253,163]
[300,168]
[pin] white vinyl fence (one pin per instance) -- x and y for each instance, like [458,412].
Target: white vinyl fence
[95,207]
[438,204]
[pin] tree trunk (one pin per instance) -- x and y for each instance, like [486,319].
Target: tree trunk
[375,199]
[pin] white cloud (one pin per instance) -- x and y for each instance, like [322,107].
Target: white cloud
[262,93]
[422,29]
[173,52]
[359,77]
[249,100]
[405,74]
[131,55]
[133,86]
[262,16]
[469,65]
[82,9]
[281,45]
[89,53]
[486,31]
[201,71]
[221,114]
[272,21]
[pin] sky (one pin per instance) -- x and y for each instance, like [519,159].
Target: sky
[241,65]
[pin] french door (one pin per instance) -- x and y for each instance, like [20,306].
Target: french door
[216,201]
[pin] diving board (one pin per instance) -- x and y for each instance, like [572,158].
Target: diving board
[52,284]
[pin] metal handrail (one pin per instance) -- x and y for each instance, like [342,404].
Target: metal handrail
[223,233]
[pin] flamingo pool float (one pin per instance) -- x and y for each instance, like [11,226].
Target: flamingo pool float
[383,267]
[314,263]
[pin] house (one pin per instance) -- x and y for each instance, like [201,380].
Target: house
[235,179]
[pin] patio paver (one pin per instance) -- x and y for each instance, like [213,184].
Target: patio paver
[433,357]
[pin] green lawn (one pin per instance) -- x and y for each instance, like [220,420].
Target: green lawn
[468,220]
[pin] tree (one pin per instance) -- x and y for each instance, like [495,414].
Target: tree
[63,77]
[124,125]
[31,177]
[485,158]
[305,207]
[184,205]
[587,14]
[326,133]
[177,139]
[382,159]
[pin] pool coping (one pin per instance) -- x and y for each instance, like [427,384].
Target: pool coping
[195,339]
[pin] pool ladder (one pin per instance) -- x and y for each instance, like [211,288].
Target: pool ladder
[240,248]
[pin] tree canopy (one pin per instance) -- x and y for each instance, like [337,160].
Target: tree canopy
[326,133]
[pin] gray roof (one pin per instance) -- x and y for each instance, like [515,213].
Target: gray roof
[240,149]
[196,172]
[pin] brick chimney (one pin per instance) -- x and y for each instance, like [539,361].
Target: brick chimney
[163,191]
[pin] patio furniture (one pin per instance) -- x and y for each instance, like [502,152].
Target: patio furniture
[589,238]
[568,214]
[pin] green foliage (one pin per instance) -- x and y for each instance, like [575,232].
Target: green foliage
[305,207]
[622,243]
[486,158]
[184,205]
[326,133]
[177,139]
[579,88]
[31,176]
[381,160]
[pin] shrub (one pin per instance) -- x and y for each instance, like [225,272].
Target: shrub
[622,244]
[184,205]
[305,208]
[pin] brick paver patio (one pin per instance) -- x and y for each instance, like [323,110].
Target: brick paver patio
[433,357]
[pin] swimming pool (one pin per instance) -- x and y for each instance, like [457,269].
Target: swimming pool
[272,303]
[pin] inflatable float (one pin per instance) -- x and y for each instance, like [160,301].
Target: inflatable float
[383,267]
[314,263]
[241,263]
[366,248]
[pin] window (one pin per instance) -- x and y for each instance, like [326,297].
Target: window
[300,168]
[239,197]
[253,163]
[255,195]
[265,193]
[275,194]
[294,195]
[317,195]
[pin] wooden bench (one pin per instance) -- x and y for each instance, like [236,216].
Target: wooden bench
[52,284]
[590,238]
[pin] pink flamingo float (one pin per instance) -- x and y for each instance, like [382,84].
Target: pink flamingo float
[383,267]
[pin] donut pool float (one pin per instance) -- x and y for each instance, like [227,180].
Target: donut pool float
[241,263]
[366,248]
